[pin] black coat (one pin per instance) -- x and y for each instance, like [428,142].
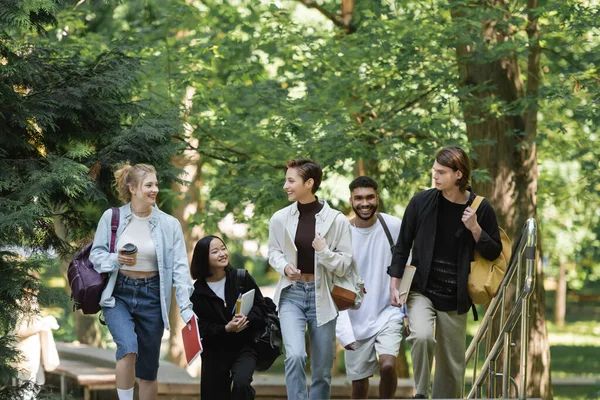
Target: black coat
[213,314]
[418,233]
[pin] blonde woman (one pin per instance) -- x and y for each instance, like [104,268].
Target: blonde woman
[137,298]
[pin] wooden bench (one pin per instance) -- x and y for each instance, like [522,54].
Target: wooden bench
[584,297]
[93,370]
[86,375]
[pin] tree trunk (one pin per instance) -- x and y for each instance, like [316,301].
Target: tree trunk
[188,203]
[511,161]
[560,303]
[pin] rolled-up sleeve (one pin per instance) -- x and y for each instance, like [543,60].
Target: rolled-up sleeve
[181,274]
[100,255]
[405,241]
[489,244]
[339,259]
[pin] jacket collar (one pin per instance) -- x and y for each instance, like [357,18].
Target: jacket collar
[201,287]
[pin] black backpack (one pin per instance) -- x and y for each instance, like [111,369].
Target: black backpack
[268,343]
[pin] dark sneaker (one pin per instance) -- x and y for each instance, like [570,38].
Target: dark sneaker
[419,396]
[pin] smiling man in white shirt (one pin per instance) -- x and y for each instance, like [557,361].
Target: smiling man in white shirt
[372,334]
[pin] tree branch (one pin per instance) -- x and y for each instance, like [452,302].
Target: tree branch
[211,155]
[331,16]
[410,103]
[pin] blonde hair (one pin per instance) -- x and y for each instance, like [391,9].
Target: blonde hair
[131,175]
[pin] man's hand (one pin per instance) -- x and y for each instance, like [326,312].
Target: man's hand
[395,297]
[351,346]
[292,272]
[469,218]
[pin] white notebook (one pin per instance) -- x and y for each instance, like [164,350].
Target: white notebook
[246,302]
[290,250]
[406,282]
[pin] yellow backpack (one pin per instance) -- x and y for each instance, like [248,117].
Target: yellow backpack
[486,276]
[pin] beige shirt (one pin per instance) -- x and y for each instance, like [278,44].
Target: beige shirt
[138,233]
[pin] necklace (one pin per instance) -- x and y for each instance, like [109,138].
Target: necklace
[141,213]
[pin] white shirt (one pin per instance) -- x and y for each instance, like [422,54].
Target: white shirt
[218,287]
[138,233]
[373,255]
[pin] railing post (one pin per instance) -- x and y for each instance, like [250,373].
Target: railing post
[506,366]
[530,260]
[523,264]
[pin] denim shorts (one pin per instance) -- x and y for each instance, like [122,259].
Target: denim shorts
[135,322]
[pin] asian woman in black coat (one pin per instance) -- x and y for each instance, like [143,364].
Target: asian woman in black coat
[229,358]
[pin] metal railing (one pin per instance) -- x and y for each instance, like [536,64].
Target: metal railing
[521,272]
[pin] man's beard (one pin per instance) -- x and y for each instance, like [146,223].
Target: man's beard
[356,212]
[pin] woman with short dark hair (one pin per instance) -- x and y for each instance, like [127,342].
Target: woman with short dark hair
[229,357]
[309,243]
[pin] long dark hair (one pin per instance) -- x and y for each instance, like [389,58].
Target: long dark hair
[199,266]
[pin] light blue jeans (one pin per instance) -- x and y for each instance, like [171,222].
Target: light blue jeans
[297,308]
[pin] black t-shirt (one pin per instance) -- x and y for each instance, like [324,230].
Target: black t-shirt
[449,221]
[442,285]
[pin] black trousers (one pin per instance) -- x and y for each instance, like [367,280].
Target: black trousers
[228,375]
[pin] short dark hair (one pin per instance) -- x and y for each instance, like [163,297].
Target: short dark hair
[458,160]
[307,169]
[199,266]
[363,182]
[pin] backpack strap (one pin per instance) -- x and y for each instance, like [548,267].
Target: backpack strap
[114,225]
[241,280]
[475,205]
[387,231]
[476,202]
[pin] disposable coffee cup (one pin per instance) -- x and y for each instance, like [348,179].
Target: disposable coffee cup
[130,249]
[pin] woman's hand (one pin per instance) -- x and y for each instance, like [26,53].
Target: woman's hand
[319,243]
[292,272]
[125,259]
[238,323]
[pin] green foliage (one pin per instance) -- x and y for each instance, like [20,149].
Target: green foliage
[274,81]
[69,113]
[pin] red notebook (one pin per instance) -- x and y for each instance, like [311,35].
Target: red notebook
[192,342]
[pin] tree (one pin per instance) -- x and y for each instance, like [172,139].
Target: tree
[68,115]
[505,140]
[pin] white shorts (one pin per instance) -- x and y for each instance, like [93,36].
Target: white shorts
[362,361]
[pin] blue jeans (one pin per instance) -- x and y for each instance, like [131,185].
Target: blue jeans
[297,308]
[135,322]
